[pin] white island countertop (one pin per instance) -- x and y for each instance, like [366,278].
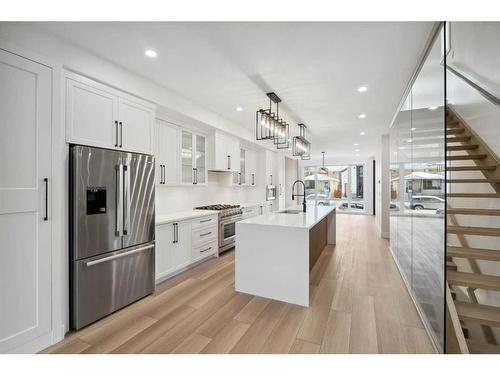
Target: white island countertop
[303,220]
[275,252]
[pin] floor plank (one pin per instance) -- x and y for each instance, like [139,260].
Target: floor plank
[304,347]
[193,344]
[227,338]
[363,338]
[337,333]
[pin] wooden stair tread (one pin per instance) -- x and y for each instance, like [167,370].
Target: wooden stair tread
[455,130]
[474,180]
[464,138]
[478,231]
[473,168]
[473,253]
[467,157]
[473,280]
[473,195]
[483,314]
[473,211]
[476,347]
[461,148]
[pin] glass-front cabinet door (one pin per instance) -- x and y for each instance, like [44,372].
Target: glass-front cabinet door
[187,160]
[201,160]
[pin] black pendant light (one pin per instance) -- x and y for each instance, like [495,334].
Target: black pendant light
[323,170]
[301,146]
[266,124]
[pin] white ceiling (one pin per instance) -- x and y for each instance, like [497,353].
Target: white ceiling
[314,67]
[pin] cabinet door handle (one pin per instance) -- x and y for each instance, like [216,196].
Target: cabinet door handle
[240,177]
[176,233]
[116,127]
[202,251]
[121,134]
[195,176]
[229,162]
[205,234]
[161,174]
[253,179]
[46,181]
[164,174]
[205,221]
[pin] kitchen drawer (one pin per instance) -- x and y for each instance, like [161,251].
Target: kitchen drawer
[204,250]
[204,235]
[204,221]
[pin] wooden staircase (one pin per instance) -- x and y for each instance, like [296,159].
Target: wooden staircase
[465,146]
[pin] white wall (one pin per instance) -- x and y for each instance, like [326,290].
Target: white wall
[291,175]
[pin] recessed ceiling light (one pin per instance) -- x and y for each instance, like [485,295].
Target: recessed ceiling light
[363,115]
[433,108]
[150,53]
[362,89]
[239,109]
[409,141]
[413,129]
[362,133]
[355,144]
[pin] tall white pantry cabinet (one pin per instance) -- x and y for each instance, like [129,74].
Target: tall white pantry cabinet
[25,211]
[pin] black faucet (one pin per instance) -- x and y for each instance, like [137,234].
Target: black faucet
[300,195]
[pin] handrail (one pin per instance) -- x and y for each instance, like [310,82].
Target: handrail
[492,98]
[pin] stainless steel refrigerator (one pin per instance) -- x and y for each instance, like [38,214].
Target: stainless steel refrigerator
[112,222]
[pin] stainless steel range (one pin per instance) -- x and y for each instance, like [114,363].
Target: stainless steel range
[229,215]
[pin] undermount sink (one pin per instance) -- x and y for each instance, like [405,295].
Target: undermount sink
[290,212]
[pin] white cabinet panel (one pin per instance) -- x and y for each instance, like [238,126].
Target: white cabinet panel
[224,153]
[167,154]
[136,126]
[182,249]
[200,160]
[91,115]
[251,167]
[25,217]
[164,257]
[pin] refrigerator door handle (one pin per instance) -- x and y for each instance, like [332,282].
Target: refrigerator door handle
[121,255]
[126,199]
[119,200]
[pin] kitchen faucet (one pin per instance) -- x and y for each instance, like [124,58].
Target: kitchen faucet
[300,195]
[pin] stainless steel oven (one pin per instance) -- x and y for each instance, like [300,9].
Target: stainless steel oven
[227,232]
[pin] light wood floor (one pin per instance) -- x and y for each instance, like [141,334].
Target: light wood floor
[359,304]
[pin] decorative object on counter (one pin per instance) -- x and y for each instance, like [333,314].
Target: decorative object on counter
[269,126]
[323,170]
[301,146]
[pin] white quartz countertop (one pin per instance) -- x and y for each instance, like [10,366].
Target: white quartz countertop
[303,220]
[182,215]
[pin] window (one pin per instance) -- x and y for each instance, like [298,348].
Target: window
[432,184]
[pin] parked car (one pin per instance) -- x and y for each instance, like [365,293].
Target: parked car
[425,202]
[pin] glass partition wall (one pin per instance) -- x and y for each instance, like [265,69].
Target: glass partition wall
[339,185]
[417,209]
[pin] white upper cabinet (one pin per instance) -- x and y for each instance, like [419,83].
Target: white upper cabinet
[251,167]
[136,126]
[224,153]
[193,158]
[91,116]
[167,153]
[100,116]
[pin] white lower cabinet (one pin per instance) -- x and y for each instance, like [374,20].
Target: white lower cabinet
[182,243]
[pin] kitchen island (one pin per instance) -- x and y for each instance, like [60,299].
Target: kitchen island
[276,251]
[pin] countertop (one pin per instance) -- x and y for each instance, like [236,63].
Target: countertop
[182,215]
[303,220]
[192,214]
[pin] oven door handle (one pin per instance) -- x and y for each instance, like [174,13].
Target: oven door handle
[234,219]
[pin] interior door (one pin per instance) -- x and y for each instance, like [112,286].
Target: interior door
[136,126]
[96,201]
[139,199]
[25,217]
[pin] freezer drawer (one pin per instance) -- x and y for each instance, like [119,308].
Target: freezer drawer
[104,284]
